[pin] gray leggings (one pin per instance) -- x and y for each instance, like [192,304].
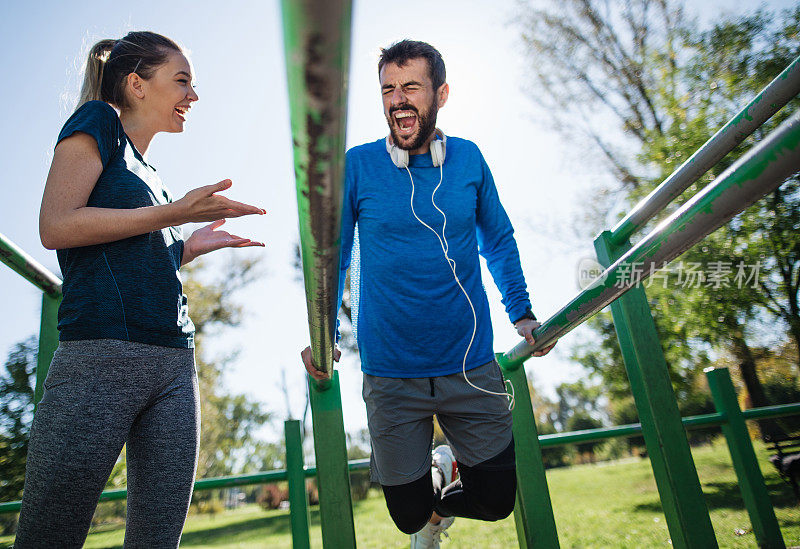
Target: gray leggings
[99,395]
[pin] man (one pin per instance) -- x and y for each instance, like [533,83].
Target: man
[425,205]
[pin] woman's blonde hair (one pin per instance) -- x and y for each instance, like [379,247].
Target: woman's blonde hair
[111,61]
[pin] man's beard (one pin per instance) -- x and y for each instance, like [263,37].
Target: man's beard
[426,123]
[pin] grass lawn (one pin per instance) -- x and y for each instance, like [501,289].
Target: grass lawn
[611,505]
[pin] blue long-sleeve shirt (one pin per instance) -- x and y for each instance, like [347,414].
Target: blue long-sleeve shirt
[413,319]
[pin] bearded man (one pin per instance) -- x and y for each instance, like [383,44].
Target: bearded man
[425,206]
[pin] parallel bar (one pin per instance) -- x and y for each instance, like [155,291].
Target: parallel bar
[33,271]
[674,471]
[298,499]
[763,169]
[317,40]
[48,341]
[751,482]
[533,513]
[771,99]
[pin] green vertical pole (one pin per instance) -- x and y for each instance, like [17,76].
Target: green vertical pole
[682,499]
[751,482]
[48,341]
[295,475]
[533,513]
[333,478]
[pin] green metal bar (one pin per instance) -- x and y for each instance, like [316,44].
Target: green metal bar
[298,499]
[780,410]
[33,271]
[546,441]
[533,513]
[263,477]
[772,98]
[333,480]
[317,41]
[633,429]
[763,169]
[751,482]
[48,341]
[667,446]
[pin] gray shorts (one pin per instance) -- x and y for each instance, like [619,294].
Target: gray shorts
[400,417]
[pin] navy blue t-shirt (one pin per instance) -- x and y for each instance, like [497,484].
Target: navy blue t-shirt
[129,289]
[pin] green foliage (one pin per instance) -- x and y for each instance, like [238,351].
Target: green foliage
[16,416]
[668,86]
[17,381]
[227,442]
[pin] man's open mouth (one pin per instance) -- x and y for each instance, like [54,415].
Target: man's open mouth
[406,121]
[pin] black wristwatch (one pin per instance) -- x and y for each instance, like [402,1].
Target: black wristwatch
[528,314]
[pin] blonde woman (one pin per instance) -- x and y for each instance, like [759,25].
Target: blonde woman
[124,368]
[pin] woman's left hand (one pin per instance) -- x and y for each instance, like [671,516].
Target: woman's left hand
[207,239]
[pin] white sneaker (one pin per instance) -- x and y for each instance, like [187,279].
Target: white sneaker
[444,459]
[429,536]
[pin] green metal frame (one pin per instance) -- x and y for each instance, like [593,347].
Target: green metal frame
[298,499]
[668,449]
[50,285]
[764,168]
[751,482]
[317,42]
[533,512]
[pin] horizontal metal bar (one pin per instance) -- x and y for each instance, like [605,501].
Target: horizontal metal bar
[547,441]
[33,271]
[632,429]
[763,169]
[771,99]
[781,410]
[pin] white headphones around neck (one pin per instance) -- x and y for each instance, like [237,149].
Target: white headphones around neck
[400,156]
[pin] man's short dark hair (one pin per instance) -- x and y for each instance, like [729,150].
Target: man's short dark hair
[404,51]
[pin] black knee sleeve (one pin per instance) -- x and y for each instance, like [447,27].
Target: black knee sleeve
[486,491]
[410,505]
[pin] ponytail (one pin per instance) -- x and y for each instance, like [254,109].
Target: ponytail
[111,61]
[93,73]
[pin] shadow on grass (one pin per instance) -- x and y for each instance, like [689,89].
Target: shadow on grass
[727,495]
[276,524]
[265,526]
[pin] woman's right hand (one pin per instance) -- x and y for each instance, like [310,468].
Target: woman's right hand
[204,204]
[65,220]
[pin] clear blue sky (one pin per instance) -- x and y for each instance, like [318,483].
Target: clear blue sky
[240,129]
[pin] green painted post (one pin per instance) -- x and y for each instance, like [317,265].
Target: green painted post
[533,513]
[751,482]
[48,341]
[333,478]
[673,468]
[298,500]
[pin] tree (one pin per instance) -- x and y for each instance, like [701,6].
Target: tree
[16,415]
[227,441]
[642,67]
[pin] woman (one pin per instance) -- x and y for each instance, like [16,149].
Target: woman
[124,368]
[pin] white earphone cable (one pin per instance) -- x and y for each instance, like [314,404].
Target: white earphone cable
[452,264]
